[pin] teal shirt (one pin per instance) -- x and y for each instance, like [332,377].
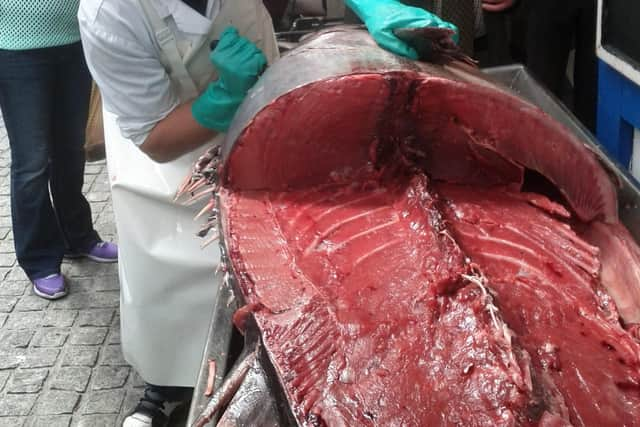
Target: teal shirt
[33,24]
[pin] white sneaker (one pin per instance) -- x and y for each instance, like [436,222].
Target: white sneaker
[138,419]
[153,410]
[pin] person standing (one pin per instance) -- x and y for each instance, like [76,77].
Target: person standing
[44,98]
[554,28]
[167,97]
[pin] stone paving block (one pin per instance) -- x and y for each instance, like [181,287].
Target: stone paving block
[98,207]
[112,356]
[89,179]
[13,288]
[88,336]
[93,169]
[73,301]
[96,196]
[4,377]
[51,337]
[11,358]
[106,229]
[7,304]
[80,356]
[12,421]
[27,381]
[4,231]
[97,421]
[103,402]
[82,284]
[114,336]
[50,421]
[135,380]
[19,338]
[84,300]
[59,318]
[40,357]
[79,268]
[32,303]
[6,247]
[16,273]
[101,186]
[106,299]
[24,320]
[104,269]
[7,259]
[95,317]
[57,402]
[106,283]
[131,400]
[15,405]
[108,377]
[73,378]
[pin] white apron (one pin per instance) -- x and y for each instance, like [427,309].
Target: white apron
[168,287]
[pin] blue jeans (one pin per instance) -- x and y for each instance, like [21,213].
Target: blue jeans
[44,97]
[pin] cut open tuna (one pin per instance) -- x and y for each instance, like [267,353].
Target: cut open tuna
[376,224]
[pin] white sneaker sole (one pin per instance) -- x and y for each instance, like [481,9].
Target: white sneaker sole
[57,295]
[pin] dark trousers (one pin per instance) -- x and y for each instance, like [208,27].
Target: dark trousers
[44,97]
[554,27]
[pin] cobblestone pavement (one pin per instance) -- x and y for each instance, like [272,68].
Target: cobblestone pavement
[60,362]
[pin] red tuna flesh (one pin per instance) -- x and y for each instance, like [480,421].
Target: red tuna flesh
[384,294]
[367,312]
[545,279]
[371,316]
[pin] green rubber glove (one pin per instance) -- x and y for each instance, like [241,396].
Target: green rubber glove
[383,16]
[239,63]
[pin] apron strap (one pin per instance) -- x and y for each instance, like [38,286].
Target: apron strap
[169,54]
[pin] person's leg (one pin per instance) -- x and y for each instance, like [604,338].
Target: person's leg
[25,98]
[550,33]
[70,105]
[586,64]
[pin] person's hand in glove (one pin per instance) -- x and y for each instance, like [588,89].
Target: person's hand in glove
[239,63]
[383,16]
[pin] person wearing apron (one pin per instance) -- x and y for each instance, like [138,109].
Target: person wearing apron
[163,103]
[151,61]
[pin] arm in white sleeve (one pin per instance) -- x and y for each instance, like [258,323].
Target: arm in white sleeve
[123,61]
